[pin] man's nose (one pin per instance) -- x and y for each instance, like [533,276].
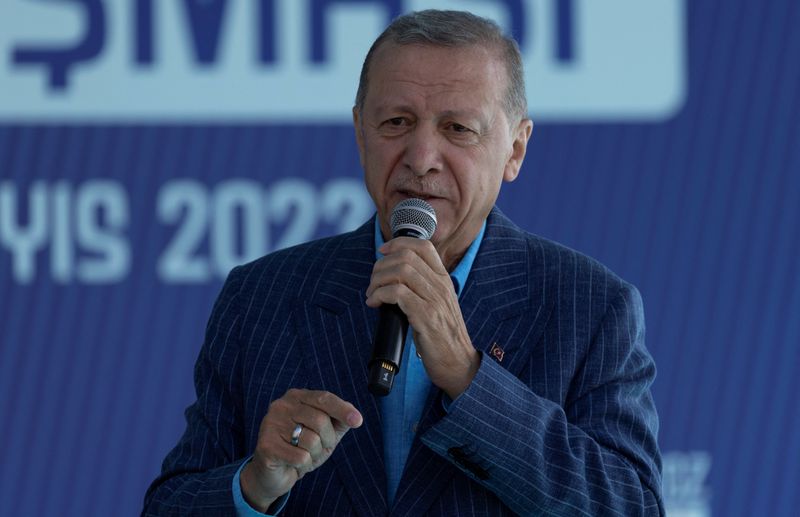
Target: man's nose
[423,153]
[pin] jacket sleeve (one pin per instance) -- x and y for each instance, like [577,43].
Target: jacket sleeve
[596,455]
[196,476]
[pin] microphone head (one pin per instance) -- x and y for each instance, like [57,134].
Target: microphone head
[413,218]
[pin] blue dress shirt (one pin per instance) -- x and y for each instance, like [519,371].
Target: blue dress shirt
[401,409]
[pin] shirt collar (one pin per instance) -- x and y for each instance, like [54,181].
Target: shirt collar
[461,272]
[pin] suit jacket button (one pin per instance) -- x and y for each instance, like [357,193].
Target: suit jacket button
[457,453]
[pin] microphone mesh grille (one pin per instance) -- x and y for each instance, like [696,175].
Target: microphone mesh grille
[414,214]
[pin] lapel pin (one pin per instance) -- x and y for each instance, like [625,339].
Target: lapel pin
[497,352]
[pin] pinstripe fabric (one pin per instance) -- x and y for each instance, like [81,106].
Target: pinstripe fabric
[563,425]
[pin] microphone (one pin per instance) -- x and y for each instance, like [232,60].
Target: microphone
[410,218]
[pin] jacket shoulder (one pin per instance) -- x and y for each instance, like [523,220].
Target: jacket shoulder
[295,272]
[565,260]
[557,261]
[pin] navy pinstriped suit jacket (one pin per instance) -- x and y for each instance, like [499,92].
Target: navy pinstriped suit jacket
[564,424]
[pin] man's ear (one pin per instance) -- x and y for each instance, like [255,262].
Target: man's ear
[518,147]
[357,126]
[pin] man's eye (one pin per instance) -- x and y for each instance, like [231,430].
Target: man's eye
[458,128]
[397,121]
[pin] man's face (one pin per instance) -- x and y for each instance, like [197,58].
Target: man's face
[433,127]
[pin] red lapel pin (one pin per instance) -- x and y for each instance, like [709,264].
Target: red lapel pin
[497,352]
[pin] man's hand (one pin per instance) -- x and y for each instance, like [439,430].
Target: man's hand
[277,464]
[411,275]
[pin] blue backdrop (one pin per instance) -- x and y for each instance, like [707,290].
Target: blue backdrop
[131,181]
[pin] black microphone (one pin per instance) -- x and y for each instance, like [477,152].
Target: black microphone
[410,218]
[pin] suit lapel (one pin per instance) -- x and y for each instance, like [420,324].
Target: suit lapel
[503,307]
[336,333]
[503,302]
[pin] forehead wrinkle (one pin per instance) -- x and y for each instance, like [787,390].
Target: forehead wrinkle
[461,68]
[404,84]
[438,102]
[428,91]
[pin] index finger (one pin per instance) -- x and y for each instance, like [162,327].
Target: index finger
[341,411]
[421,247]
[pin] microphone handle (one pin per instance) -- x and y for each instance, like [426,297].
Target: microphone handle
[387,352]
[390,337]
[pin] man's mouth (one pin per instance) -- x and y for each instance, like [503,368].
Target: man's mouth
[419,195]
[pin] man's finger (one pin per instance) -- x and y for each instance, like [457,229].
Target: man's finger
[397,274]
[295,457]
[307,438]
[398,294]
[421,247]
[410,270]
[332,405]
[316,421]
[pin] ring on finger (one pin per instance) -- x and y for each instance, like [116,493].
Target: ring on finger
[298,430]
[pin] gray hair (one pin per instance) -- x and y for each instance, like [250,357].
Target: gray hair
[454,29]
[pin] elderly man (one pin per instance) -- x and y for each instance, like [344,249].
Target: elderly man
[525,382]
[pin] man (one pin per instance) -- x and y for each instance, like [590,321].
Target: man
[525,387]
